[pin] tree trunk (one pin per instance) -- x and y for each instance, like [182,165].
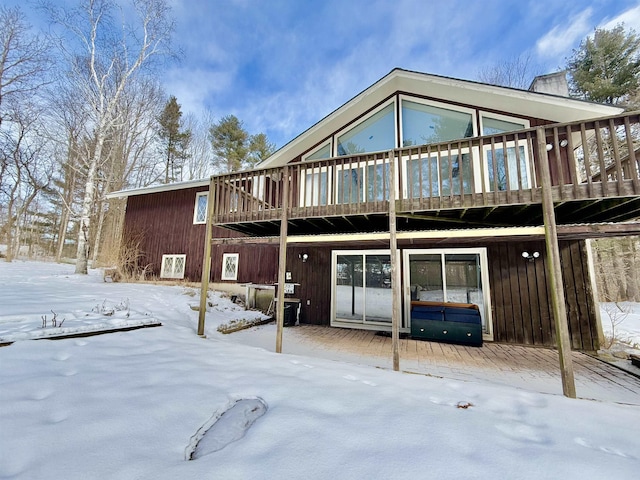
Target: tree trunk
[96,243]
[82,256]
[62,234]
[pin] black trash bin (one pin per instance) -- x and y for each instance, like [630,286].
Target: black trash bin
[289,314]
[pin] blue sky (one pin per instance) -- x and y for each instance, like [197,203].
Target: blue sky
[282,65]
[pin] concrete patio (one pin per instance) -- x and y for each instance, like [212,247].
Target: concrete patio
[528,368]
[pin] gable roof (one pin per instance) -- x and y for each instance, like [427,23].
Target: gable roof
[518,102]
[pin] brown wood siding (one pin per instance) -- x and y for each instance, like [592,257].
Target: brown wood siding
[164,221]
[257,263]
[520,295]
[314,277]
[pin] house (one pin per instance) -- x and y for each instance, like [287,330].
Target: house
[465,164]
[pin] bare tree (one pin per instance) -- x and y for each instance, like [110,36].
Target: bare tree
[27,171]
[103,59]
[24,58]
[133,162]
[517,72]
[198,164]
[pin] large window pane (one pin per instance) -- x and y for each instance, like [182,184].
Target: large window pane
[350,185]
[424,180]
[493,126]
[451,179]
[426,277]
[498,174]
[424,124]
[321,153]
[315,188]
[375,134]
[377,182]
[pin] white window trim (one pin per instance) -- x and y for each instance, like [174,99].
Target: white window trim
[173,274]
[225,257]
[364,119]
[196,221]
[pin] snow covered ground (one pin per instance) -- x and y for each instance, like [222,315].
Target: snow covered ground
[131,405]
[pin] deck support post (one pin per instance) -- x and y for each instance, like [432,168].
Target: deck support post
[554,271]
[206,260]
[282,259]
[396,290]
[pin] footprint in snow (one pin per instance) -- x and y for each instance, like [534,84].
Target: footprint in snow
[225,427]
[351,378]
[612,451]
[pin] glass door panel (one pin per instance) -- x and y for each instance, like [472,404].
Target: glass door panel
[426,277]
[378,298]
[349,288]
[464,284]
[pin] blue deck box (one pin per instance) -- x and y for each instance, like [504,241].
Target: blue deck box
[446,322]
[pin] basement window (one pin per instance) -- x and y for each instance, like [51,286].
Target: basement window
[230,266]
[173,266]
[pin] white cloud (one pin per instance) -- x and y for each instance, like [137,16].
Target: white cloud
[630,18]
[561,38]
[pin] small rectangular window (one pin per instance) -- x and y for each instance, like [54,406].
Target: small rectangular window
[200,210]
[230,266]
[173,266]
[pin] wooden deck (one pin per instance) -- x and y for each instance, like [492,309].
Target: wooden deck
[483,181]
[528,368]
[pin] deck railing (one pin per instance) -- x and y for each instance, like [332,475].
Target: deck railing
[592,159]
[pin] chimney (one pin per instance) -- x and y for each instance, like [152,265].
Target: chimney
[551,83]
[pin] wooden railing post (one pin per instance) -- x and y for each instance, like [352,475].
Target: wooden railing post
[396,291]
[554,271]
[282,258]
[206,260]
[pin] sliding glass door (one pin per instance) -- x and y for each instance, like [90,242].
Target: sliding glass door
[455,276]
[362,287]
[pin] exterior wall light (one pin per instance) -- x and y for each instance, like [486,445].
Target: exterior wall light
[564,143]
[530,256]
[304,257]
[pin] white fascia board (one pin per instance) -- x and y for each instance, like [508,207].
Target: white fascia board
[159,188]
[419,235]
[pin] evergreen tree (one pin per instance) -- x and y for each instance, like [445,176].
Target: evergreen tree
[175,141]
[259,149]
[606,67]
[229,140]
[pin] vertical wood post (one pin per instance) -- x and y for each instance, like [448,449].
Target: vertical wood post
[396,291]
[206,260]
[282,258]
[554,271]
